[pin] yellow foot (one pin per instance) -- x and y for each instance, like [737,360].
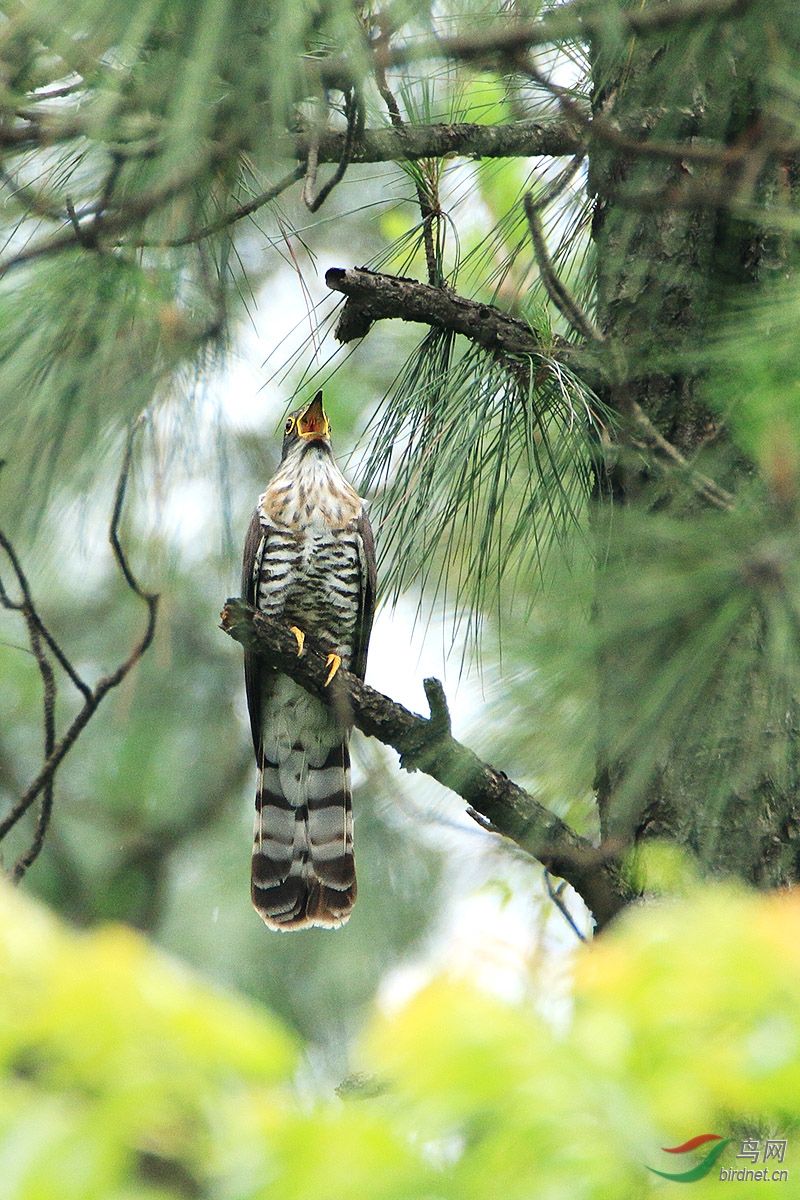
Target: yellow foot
[333,662]
[301,639]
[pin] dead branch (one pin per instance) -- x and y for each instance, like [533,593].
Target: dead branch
[42,645]
[563,299]
[426,744]
[374,297]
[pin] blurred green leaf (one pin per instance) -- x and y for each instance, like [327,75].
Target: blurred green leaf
[125,1072]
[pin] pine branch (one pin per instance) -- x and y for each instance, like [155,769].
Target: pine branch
[374,297]
[521,139]
[576,21]
[426,744]
[84,228]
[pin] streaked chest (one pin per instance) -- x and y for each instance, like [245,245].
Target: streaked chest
[310,495]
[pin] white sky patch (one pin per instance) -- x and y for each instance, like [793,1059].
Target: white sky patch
[501,939]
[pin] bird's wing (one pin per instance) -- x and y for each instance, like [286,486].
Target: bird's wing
[253,668]
[366,607]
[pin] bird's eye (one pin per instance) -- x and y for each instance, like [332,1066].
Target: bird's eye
[289,426]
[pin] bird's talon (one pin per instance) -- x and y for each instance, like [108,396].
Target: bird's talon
[333,662]
[301,639]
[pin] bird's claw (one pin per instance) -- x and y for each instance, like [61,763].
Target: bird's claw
[301,639]
[333,662]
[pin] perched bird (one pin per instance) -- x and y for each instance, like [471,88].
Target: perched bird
[309,559]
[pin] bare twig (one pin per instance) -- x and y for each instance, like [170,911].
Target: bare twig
[354,112]
[426,744]
[49,692]
[56,750]
[37,635]
[555,895]
[569,308]
[227,219]
[429,208]
[26,604]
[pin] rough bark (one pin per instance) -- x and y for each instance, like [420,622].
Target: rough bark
[664,277]
[376,297]
[522,139]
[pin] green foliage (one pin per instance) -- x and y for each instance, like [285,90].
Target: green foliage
[85,345]
[753,384]
[127,1077]
[481,468]
[113,1054]
[125,274]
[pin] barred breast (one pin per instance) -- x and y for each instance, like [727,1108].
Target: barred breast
[308,572]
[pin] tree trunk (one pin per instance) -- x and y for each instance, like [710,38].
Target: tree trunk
[671,261]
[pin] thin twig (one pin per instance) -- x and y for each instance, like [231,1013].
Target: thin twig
[110,182]
[37,634]
[132,211]
[54,756]
[238,214]
[555,896]
[575,20]
[429,212]
[41,629]
[35,203]
[582,323]
[569,308]
[352,108]
[655,441]
[49,691]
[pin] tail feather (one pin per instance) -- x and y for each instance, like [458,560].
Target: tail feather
[303,871]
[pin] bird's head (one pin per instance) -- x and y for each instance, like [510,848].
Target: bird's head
[306,427]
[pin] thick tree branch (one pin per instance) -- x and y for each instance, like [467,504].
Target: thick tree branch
[522,139]
[375,297]
[426,744]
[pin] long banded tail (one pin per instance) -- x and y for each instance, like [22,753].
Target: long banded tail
[303,871]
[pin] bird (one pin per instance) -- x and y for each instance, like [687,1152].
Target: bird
[309,560]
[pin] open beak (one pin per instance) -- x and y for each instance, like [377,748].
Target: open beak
[313,423]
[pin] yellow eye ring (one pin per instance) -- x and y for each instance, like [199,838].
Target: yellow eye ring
[289,426]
